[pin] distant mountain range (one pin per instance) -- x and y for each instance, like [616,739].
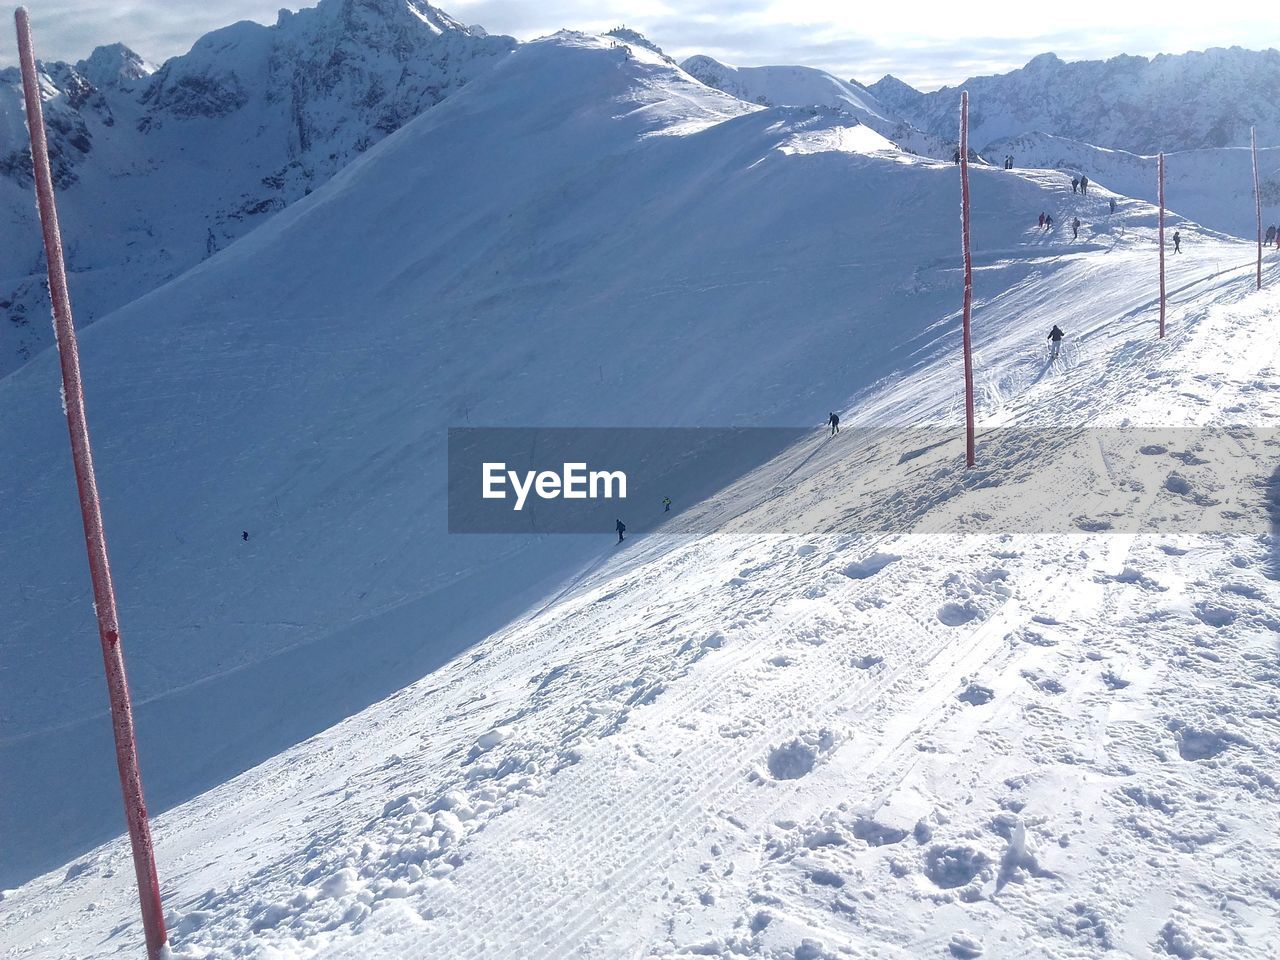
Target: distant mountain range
[161,168]
[1183,102]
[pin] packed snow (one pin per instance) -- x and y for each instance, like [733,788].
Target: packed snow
[364,737]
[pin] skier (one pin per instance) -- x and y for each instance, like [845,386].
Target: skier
[1271,235]
[1075,228]
[666,504]
[1112,201]
[1048,221]
[1084,183]
[1075,184]
[1055,336]
[244,535]
[1177,242]
[1041,219]
[955,157]
[621,528]
[834,420]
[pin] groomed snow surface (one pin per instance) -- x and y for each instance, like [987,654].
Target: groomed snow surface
[740,746]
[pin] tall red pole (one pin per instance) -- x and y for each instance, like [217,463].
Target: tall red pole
[1257,196]
[104,597]
[968,276]
[1160,172]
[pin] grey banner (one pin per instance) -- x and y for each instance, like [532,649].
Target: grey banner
[803,481]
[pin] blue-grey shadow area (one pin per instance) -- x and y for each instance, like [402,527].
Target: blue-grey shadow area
[193,738]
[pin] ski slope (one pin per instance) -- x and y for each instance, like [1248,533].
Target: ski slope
[1212,186]
[759,746]
[376,740]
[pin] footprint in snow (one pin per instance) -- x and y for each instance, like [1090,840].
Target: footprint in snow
[869,566]
[795,758]
[976,694]
[958,614]
[954,866]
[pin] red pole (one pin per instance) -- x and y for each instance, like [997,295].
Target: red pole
[104,597]
[968,276]
[1257,196]
[1160,170]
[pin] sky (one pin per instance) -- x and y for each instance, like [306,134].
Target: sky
[929,44]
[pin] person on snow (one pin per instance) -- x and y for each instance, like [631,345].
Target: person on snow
[1055,337]
[1084,183]
[621,528]
[1271,235]
[1041,219]
[1048,221]
[834,420]
[1112,201]
[666,504]
[955,157]
[1075,184]
[244,535]
[1177,242]
[1075,228]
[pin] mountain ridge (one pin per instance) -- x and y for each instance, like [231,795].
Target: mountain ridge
[1143,105]
[160,168]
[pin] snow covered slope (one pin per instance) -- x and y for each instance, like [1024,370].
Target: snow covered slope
[798,86]
[159,170]
[742,746]
[655,252]
[1168,102]
[783,86]
[1212,186]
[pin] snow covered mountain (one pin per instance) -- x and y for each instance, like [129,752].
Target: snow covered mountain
[784,86]
[798,86]
[1168,102]
[160,169]
[608,272]
[374,739]
[1212,186]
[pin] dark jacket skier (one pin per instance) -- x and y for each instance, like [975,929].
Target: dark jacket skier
[1075,184]
[1048,221]
[244,534]
[621,528]
[1042,220]
[1177,242]
[666,504]
[1055,335]
[834,420]
[1084,183]
[955,157]
[1075,228]
[1271,235]
[1112,201]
